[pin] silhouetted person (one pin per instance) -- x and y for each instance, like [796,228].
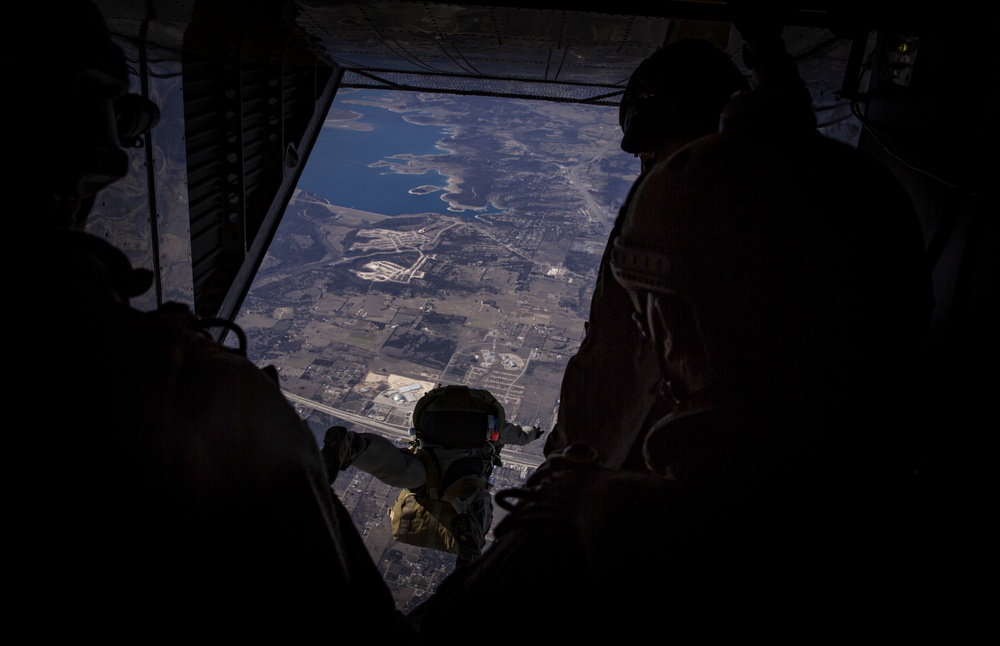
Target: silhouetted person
[172,486]
[779,277]
[611,389]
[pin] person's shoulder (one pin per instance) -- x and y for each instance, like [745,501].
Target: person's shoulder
[690,157]
[177,325]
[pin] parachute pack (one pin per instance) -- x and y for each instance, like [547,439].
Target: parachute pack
[458,416]
[423,518]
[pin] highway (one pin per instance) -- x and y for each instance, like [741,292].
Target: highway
[510,458]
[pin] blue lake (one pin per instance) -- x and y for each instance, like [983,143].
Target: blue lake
[340,169]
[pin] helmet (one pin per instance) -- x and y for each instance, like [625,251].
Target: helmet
[458,416]
[685,83]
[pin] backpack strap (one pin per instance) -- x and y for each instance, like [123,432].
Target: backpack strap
[433,482]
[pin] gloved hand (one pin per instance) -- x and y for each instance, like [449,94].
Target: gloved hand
[536,432]
[336,451]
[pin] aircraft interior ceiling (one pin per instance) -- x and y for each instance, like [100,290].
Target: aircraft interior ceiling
[244,87]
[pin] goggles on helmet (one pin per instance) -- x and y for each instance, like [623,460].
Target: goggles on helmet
[107,118]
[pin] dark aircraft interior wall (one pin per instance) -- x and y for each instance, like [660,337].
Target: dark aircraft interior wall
[930,117]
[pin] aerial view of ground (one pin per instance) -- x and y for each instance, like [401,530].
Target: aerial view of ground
[362,312]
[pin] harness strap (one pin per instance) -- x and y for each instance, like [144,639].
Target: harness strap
[433,474]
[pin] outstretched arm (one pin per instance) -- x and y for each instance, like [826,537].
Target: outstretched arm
[519,435]
[390,463]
